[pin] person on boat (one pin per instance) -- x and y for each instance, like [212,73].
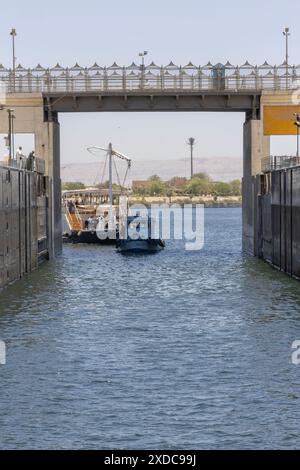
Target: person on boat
[71,207]
[94,223]
[100,219]
[30,162]
[105,216]
[90,222]
[20,157]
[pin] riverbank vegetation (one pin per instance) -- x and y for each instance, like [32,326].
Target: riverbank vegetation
[200,185]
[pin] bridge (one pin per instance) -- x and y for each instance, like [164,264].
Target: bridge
[152,87]
[264,93]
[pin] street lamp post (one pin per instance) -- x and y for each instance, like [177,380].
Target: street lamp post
[287,33]
[191,143]
[142,55]
[13,34]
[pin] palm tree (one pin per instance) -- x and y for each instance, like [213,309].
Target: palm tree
[191,143]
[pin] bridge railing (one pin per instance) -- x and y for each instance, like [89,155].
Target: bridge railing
[279,162]
[152,77]
[38,165]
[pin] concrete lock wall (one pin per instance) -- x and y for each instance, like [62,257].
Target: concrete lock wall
[30,118]
[256,147]
[278,228]
[24,234]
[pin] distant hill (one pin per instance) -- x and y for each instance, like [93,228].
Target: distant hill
[218,168]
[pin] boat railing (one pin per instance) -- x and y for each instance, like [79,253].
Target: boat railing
[79,219]
[73,224]
[83,216]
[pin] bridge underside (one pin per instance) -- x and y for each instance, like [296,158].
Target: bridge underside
[159,101]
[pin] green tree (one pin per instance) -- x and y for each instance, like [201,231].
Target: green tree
[177,182]
[154,178]
[222,189]
[198,187]
[202,176]
[105,185]
[72,185]
[236,188]
[156,187]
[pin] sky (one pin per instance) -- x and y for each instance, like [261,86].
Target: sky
[84,32]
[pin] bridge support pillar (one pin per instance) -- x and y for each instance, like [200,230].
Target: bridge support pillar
[256,147]
[47,147]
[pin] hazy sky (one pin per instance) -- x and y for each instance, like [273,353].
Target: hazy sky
[66,32]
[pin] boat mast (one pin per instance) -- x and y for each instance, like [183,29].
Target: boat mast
[110,154]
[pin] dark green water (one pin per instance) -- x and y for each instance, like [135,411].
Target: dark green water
[176,350]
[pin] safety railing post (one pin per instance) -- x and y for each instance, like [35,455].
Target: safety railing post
[124,79]
[105,79]
[161,78]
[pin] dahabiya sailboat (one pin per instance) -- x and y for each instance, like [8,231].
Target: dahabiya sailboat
[93,215]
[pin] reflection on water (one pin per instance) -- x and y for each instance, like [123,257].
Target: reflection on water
[177,350]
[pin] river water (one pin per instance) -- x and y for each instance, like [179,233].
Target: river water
[182,349]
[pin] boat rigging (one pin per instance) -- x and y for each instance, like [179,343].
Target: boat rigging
[110,153]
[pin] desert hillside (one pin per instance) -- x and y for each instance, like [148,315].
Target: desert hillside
[219,168]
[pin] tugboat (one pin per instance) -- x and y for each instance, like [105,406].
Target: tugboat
[138,236]
[91,215]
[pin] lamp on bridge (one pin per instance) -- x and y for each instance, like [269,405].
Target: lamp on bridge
[287,33]
[142,55]
[13,34]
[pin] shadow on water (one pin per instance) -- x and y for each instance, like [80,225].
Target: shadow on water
[280,292]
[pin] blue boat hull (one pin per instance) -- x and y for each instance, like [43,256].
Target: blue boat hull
[140,246]
[87,236]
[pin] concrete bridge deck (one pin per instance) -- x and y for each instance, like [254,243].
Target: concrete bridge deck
[152,100]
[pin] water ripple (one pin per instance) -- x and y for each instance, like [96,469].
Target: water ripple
[178,350]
